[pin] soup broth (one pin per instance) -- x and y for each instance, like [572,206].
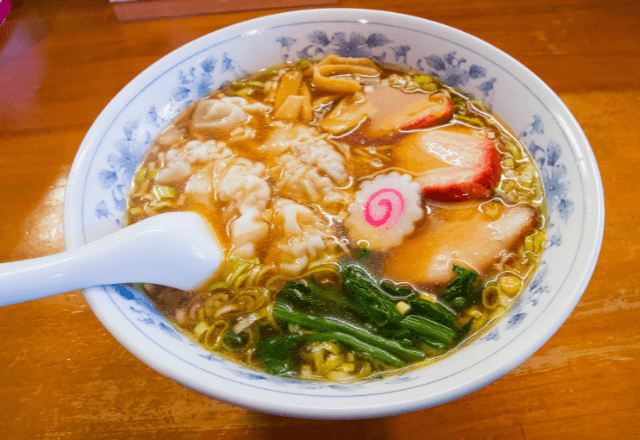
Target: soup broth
[372,218]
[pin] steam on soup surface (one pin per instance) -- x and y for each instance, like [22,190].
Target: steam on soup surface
[373,219]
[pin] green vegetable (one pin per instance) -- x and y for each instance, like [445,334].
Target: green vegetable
[267,74]
[426,83]
[315,299]
[321,324]
[246,91]
[462,292]
[236,340]
[357,344]
[423,79]
[255,84]
[396,293]
[429,331]
[464,331]
[279,354]
[303,64]
[363,315]
[471,120]
[164,192]
[141,174]
[429,87]
[374,302]
[432,311]
[296,294]
[333,297]
[362,253]
[158,206]
[237,84]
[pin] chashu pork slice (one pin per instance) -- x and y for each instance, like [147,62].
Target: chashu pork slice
[468,238]
[456,162]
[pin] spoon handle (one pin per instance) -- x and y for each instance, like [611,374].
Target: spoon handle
[173,249]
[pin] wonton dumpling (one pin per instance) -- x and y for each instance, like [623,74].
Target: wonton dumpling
[217,116]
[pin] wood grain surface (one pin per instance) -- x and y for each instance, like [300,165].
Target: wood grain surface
[62,376]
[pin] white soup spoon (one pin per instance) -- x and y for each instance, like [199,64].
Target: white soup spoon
[177,249]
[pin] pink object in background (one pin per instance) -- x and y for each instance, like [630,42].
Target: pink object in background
[5,7]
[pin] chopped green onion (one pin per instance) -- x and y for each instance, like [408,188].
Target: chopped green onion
[514,149]
[237,84]
[246,91]
[471,120]
[423,79]
[303,64]
[480,105]
[429,87]
[267,74]
[534,243]
[411,86]
[164,192]
[200,329]
[396,80]
[141,174]
[161,205]
[256,84]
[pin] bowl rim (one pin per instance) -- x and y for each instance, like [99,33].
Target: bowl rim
[152,356]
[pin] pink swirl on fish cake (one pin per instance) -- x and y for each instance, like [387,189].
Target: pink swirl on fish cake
[391,200]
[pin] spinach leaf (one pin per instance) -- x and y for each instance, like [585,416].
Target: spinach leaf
[396,293]
[432,311]
[279,354]
[464,331]
[462,292]
[296,294]
[375,305]
[236,340]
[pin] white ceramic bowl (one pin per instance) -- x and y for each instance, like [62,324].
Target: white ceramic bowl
[107,158]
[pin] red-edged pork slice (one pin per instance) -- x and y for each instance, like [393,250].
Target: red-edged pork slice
[466,237]
[456,162]
[397,110]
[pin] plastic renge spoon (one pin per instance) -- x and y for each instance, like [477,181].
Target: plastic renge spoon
[177,249]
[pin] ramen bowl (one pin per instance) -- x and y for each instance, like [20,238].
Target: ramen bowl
[101,175]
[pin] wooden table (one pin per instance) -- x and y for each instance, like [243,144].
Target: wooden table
[62,376]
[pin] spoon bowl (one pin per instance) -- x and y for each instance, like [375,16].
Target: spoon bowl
[177,249]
